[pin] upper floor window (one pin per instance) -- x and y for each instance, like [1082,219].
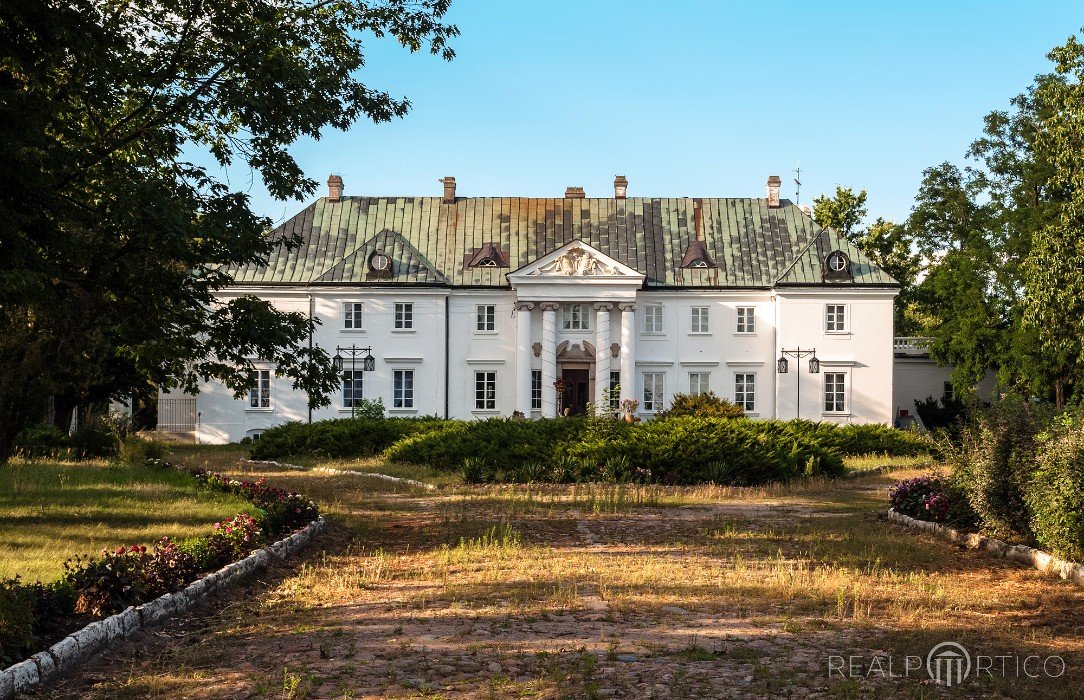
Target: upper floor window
[747,320]
[259,395]
[487,317]
[575,317]
[653,318]
[404,316]
[835,318]
[353,315]
[699,319]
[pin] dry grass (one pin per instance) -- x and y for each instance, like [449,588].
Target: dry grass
[546,591]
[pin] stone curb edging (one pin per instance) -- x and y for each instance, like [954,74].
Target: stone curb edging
[1043,561]
[343,472]
[80,646]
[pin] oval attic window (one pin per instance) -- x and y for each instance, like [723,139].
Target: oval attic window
[379,262]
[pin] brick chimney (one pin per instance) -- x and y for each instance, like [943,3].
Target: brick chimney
[773,191]
[449,189]
[621,187]
[334,188]
[574,193]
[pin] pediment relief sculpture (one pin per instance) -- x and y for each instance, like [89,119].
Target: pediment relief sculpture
[578,262]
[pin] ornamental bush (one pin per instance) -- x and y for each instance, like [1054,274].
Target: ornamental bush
[336,438]
[704,405]
[1055,494]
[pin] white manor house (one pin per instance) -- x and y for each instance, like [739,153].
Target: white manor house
[471,307]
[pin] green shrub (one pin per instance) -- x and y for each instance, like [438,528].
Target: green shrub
[993,461]
[96,436]
[704,405]
[135,451]
[1055,495]
[502,443]
[16,622]
[42,441]
[337,438]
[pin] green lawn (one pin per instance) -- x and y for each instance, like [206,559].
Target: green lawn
[51,511]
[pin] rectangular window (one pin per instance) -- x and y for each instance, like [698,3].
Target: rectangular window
[653,318]
[404,316]
[654,391]
[536,389]
[745,390]
[746,319]
[575,317]
[949,392]
[699,320]
[402,389]
[485,391]
[259,396]
[835,318]
[352,384]
[615,390]
[835,392]
[353,315]
[698,383]
[487,317]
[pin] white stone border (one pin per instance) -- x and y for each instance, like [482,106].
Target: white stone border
[343,472]
[80,646]
[1043,561]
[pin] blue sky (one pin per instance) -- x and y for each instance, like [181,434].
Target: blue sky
[690,98]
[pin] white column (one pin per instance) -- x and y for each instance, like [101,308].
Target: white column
[602,355]
[628,351]
[523,357]
[549,359]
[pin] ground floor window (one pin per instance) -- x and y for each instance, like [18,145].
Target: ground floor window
[615,390]
[402,390]
[654,391]
[259,396]
[835,392]
[698,382]
[352,382]
[536,389]
[745,385]
[485,391]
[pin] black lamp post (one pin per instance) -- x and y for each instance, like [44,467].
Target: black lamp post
[368,364]
[782,366]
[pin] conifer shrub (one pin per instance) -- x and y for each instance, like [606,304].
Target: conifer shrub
[337,438]
[704,405]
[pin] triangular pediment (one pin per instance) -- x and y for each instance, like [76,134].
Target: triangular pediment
[577,260]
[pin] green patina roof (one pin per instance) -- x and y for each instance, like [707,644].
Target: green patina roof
[429,242]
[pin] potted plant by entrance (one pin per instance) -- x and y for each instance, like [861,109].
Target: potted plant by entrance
[628,410]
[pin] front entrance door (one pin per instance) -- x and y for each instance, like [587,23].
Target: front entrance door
[577,387]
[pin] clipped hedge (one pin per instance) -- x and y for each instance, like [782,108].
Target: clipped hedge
[337,438]
[502,442]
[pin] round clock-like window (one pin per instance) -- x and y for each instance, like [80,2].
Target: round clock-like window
[838,262]
[380,262]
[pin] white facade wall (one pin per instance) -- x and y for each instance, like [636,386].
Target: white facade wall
[784,319]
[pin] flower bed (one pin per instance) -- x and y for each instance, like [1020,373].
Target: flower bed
[32,615]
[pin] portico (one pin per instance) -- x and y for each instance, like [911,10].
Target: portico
[570,286]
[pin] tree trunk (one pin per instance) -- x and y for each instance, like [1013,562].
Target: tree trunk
[1059,392]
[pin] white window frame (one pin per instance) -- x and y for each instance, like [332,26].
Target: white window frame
[655,384]
[536,390]
[485,390]
[699,383]
[576,317]
[846,393]
[699,320]
[355,307]
[402,389]
[654,323]
[404,316]
[830,318]
[746,323]
[357,388]
[261,391]
[614,386]
[485,319]
[745,394]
